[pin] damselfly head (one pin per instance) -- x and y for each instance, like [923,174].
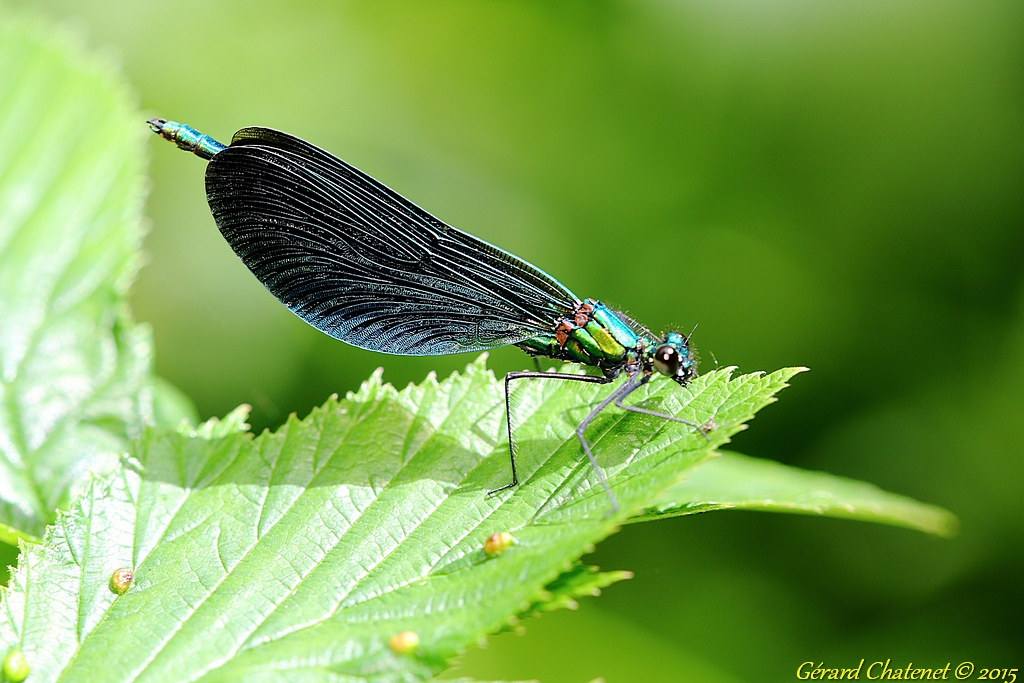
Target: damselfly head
[673,358]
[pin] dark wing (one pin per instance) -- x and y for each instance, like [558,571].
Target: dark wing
[363,264]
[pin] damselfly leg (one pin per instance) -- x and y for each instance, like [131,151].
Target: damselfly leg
[664,416]
[526,374]
[617,397]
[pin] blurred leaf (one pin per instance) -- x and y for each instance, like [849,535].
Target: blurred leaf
[171,406]
[11,536]
[734,481]
[73,365]
[297,555]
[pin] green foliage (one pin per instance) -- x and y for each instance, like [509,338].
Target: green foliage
[297,555]
[73,366]
[734,481]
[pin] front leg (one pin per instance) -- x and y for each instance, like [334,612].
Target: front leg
[664,416]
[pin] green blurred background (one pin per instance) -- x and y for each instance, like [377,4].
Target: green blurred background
[838,185]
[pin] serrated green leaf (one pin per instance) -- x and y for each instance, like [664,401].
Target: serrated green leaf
[73,366]
[579,582]
[734,481]
[297,555]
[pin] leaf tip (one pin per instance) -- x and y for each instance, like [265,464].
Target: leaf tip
[366,390]
[217,428]
[947,525]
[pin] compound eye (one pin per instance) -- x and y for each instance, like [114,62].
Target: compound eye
[666,360]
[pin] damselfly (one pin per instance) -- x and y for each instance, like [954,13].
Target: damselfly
[363,264]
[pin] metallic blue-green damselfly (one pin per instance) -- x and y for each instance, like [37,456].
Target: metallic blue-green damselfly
[363,264]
